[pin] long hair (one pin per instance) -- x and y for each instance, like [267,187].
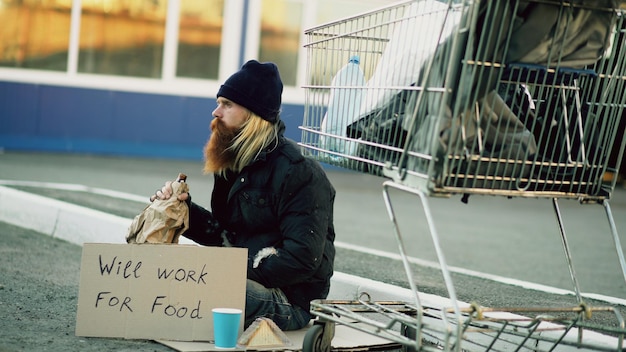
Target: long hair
[256,135]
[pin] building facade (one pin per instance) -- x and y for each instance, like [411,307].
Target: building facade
[139,77]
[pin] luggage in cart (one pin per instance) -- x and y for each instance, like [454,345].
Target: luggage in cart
[504,98]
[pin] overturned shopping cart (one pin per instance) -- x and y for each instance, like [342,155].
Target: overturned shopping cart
[502,98]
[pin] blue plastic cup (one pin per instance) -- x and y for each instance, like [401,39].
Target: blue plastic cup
[226,327]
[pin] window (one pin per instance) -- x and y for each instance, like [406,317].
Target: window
[281,28]
[133,38]
[199,38]
[35,34]
[281,22]
[119,37]
[328,58]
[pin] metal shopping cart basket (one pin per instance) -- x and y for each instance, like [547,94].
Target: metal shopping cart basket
[504,98]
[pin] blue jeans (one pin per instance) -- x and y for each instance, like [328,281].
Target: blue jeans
[272,303]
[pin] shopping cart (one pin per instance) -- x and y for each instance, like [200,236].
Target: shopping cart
[503,98]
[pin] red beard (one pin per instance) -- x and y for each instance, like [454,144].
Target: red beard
[217,156]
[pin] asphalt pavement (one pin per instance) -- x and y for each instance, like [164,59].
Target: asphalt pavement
[503,252]
[508,238]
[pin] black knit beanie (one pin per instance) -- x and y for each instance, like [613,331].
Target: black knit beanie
[257,87]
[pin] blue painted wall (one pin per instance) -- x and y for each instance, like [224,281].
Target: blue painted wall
[38,117]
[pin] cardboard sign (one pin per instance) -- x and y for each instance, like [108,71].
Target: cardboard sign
[145,291]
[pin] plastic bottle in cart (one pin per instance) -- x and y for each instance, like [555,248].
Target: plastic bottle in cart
[344,105]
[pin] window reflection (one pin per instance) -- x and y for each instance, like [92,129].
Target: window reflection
[120,37]
[281,22]
[199,38]
[35,34]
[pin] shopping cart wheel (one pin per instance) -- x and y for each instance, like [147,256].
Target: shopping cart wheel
[319,337]
[408,331]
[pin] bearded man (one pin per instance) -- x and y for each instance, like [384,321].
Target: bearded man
[267,197]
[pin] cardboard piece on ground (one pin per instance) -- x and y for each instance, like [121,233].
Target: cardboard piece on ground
[263,332]
[157,291]
[346,338]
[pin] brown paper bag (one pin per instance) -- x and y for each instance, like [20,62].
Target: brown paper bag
[163,221]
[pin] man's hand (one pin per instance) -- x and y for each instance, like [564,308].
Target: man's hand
[165,192]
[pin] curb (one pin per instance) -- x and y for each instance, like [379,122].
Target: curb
[79,225]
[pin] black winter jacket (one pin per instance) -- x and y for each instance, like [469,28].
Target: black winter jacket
[282,201]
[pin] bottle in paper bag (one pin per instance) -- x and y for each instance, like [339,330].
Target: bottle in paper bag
[163,221]
[344,105]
